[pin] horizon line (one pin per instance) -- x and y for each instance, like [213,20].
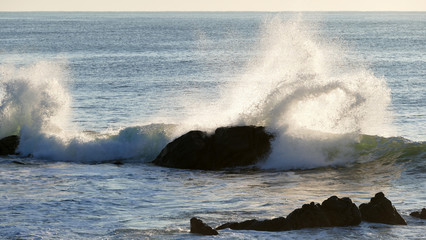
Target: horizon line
[207,11]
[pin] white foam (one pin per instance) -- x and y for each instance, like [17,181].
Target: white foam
[305,89]
[142,143]
[314,97]
[35,103]
[34,97]
[302,87]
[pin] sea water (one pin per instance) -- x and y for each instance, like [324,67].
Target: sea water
[343,93]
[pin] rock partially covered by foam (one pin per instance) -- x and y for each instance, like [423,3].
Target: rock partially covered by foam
[199,227]
[420,214]
[333,212]
[227,147]
[8,145]
[381,210]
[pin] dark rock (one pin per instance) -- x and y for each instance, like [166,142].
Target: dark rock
[276,224]
[420,214]
[240,146]
[227,147]
[332,212]
[309,216]
[198,226]
[231,225]
[341,211]
[381,210]
[188,151]
[8,145]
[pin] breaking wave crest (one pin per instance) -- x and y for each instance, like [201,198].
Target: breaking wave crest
[309,92]
[35,104]
[33,98]
[132,144]
[323,108]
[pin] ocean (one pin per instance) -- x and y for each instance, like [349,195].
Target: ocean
[343,93]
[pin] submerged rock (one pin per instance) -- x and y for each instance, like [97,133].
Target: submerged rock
[227,147]
[420,214]
[333,212]
[199,227]
[381,210]
[8,145]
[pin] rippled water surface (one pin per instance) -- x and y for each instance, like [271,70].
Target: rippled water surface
[343,93]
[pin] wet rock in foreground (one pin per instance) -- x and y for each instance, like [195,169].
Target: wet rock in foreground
[333,212]
[199,227]
[420,214]
[381,210]
[276,224]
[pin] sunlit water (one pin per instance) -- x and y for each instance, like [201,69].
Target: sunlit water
[344,94]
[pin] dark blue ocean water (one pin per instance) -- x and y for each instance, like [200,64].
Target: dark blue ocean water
[343,92]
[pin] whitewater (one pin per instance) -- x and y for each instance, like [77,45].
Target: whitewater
[343,93]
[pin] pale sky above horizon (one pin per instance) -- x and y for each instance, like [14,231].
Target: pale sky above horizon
[213,5]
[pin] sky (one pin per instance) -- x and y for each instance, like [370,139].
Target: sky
[213,5]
